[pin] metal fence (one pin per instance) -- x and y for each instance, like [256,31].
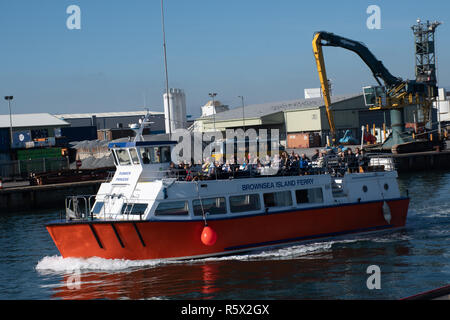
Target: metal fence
[23,168]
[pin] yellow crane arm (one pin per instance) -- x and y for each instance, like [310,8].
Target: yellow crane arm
[318,54]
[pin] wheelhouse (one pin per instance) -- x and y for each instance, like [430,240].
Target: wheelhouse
[141,153]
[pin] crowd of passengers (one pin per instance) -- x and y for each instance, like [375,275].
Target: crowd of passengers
[335,162]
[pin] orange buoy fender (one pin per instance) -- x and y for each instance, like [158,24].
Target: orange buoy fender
[209,236]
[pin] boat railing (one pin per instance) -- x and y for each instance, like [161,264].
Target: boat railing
[330,164]
[381,162]
[78,207]
[81,208]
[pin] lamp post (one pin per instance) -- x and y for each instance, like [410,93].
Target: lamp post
[9,98]
[213,95]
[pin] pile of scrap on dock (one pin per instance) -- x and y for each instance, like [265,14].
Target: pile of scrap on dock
[91,160]
[92,154]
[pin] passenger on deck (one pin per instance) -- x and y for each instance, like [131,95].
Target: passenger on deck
[226,167]
[351,163]
[205,166]
[292,156]
[358,158]
[303,164]
[259,167]
[284,161]
[294,166]
[267,160]
[304,157]
[211,173]
[188,172]
[243,166]
[172,170]
[145,158]
[316,155]
[363,161]
[321,161]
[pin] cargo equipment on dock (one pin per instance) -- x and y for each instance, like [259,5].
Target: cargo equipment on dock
[394,93]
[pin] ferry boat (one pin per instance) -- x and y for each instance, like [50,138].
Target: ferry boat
[144,213]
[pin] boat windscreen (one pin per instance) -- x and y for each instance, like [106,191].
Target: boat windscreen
[123,157]
[134,156]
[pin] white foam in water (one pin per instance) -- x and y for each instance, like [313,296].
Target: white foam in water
[60,264]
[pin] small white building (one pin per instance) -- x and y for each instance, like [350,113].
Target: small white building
[211,108]
[443,105]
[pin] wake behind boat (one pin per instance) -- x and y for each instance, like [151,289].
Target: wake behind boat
[147,212]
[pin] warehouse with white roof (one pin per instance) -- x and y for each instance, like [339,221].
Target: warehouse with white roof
[295,119]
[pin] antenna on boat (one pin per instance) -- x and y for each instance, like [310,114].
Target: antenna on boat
[165,67]
[138,128]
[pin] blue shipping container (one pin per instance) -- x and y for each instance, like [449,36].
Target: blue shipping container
[4,140]
[20,138]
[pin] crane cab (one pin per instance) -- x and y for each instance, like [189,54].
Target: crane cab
[373,95]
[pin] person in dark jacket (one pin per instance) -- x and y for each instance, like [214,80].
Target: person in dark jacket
[316,155]
[350,161]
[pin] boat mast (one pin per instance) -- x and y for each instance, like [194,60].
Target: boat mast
[165,67]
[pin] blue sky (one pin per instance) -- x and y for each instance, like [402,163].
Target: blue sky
[258,49]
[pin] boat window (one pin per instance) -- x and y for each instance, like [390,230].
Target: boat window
[98,206]
[165,154]
[134,156]
[173,208]
[278,199]
[314,195]
[210,205]
[145,155]
[123,157]
[134,208]
[248,202]
[150,155]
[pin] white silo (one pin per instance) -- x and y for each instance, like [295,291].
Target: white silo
[177,108]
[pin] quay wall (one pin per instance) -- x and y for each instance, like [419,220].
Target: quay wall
[33,198]
[419,161]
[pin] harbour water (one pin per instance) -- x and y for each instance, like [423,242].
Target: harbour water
[411,260]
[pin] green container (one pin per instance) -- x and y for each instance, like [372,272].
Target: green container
[38,153]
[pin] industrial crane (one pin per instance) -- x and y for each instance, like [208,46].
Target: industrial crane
[394,93]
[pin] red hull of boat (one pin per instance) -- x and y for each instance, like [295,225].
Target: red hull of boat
[141,240]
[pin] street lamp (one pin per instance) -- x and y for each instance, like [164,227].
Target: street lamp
[9,98]
[213,95]
[243,115]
